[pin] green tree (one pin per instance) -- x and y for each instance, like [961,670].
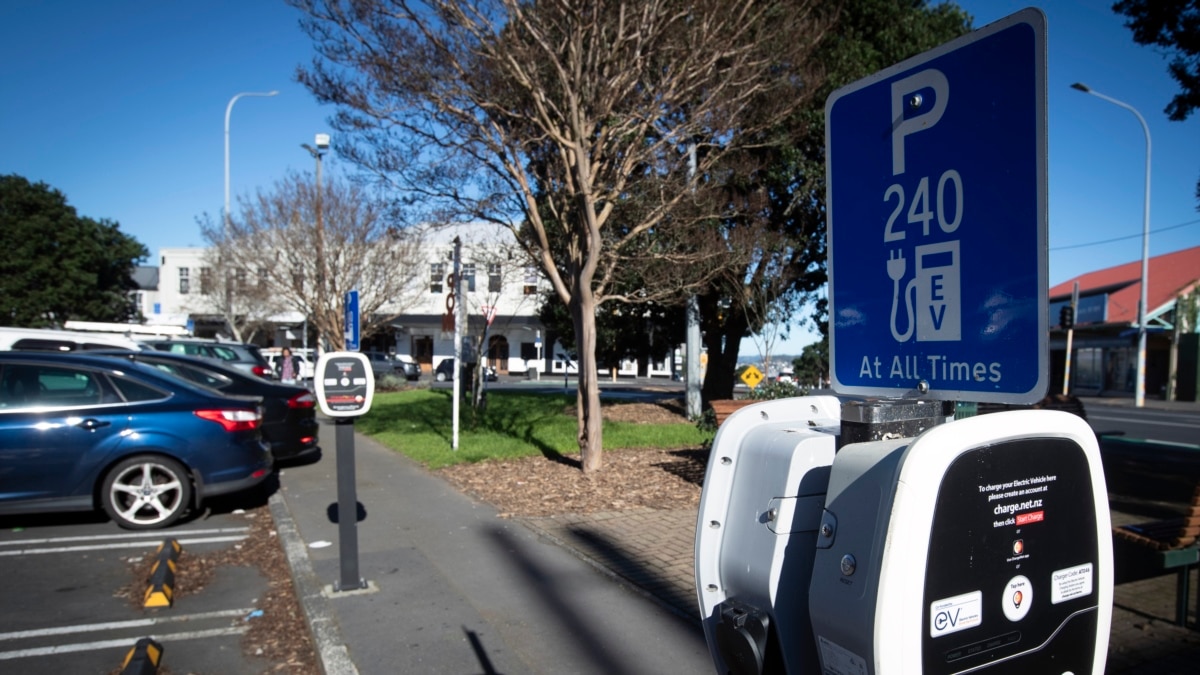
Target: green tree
[57,265]
[812,366]
[1173,25]
[780,201]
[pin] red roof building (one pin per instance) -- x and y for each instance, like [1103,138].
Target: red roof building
[1104,345]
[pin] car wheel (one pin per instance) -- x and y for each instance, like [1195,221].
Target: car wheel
[146,492]
[441,377]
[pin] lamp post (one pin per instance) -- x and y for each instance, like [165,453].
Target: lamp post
[322,146]
[1140,392]
[228,110]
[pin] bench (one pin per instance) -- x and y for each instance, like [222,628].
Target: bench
[723,408]
[1156,548]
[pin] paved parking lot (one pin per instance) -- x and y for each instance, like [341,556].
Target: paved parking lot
[71,595]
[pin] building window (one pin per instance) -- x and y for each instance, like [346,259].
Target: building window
[493,277]
[298,277]
[262,279]
[185,286]
[531,280]
[468,272]
[205,280]
[240,276]
[437,273]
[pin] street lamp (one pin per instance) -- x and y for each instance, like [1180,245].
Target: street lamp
[1140,392]
[228,110]
[322,146]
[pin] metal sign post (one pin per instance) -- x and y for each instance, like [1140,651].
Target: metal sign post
[937,205]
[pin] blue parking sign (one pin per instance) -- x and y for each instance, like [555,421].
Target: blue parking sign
[937,230]
[350,321]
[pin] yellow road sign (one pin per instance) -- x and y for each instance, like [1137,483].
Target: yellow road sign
[752,376]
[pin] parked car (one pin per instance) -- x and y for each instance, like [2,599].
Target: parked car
[409,366]
[445,371]
[242,356]
[42,339]
[289,421]
[85,432]
[383,363]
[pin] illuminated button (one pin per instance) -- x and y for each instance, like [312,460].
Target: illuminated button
[1017,598]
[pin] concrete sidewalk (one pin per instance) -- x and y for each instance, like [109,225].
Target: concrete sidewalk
[458,589]
[463,591]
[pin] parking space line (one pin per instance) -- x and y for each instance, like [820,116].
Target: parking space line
[122,625]
[158,534]
[105,547]
[127,642]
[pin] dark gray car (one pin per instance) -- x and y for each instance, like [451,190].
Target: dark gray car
[234,354]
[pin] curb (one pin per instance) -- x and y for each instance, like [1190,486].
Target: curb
[322,623]
[161,592]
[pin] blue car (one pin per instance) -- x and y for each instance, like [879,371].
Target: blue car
[80,433]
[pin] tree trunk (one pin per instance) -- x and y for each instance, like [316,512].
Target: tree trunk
[583,313]
[723,339]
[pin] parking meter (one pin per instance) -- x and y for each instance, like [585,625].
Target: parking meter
[756,533]
[982,545]
[345,384]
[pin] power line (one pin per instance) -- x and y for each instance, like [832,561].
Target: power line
[1131,236]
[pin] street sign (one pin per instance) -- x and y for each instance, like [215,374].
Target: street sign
[936,199]
[350,321]
[752,376]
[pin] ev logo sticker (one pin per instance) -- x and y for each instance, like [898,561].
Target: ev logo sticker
[954,614]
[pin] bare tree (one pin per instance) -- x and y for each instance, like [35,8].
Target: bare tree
[550,117]
[239,295]
[306,262]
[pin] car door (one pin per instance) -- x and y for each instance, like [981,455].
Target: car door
[56,423]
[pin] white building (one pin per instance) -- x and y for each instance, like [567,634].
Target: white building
[502,290]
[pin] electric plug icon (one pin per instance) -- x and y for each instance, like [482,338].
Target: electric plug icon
[896,265]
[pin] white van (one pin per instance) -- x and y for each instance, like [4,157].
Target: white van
[43,340]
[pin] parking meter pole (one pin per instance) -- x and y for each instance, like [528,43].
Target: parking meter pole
[347,509]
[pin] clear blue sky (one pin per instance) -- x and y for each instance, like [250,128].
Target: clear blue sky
[121,105]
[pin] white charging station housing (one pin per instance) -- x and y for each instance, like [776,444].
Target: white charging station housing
[984,544]
[756,532]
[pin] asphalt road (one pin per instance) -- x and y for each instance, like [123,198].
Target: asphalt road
[64,612]
[1164,426]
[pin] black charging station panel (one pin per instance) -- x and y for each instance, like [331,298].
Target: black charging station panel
[1012,562]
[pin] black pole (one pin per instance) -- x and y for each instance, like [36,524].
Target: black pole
[347,508]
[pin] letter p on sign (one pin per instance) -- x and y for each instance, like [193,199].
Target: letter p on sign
[908,90]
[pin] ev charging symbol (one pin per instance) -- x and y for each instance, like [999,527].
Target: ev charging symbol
[932,299]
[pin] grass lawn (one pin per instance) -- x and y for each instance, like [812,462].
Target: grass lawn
[418,423]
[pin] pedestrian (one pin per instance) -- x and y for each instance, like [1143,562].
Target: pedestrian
[288,366]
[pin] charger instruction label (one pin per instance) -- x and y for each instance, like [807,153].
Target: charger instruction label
[937,222]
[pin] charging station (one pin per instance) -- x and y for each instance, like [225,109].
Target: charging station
[756,532]
[879,535]
[983,544]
